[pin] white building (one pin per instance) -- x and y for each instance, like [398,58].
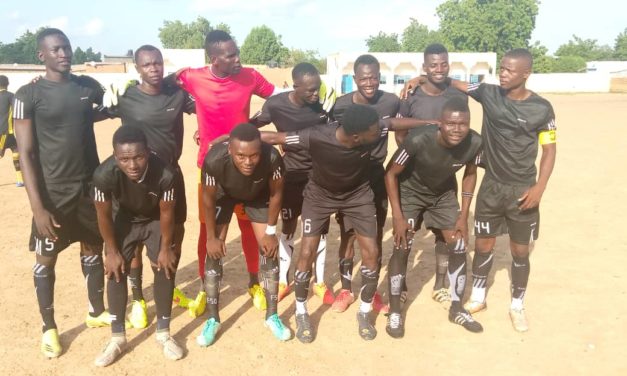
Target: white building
[614,68]
[397,67]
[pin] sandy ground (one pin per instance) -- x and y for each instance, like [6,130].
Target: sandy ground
[576,301]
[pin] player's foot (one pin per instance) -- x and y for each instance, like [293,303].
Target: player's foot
[343,299]
[196,307]
[395,326]
[259,297]
[321,291]
[519,319]
[304,333]
[473,307]
[50,345]
[378,305]
[104,319]
[367,331]
[280,331]
[111,352]
[138,317]
[442,296]
[171,349]
[208,334]
[284,290]
[463,318]
[179,298]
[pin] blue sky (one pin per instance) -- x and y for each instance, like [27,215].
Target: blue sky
[115,26]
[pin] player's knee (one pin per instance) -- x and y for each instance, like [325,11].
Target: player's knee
[48,261]
[519,250]
[91,249]
[42,271]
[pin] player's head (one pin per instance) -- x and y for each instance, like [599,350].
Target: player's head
[515,68]
[223,53]
[130,149]
[54,50]
[454,122]
[435,63]
[149,64]
[361,123]
[245,148]
[4,82]
[367,75]
[306,83]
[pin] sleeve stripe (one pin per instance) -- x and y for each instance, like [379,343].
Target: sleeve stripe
[277,174]
[292,139]
[168,195]
[99,195]
[472,87]
[210,180]
[18,109]
[402,157]
[551,125]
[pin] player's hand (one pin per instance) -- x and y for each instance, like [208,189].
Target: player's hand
[326,97]
[531,197]
[411,85]
[46,223]
[269,245]
[216,249]
[114,265]
[196,138]
[216,141]
[401,231]
[115,90]
[461,228]
[167,260]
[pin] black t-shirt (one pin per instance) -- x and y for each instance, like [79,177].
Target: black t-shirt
[6,100]
[510,133]
[218,170]
[423,106]
[336,168]
[137,201]
[430,167]
[289,117]
[63,123]
[159,116]
[387,106]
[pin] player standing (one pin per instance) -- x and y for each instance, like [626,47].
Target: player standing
[54,119]
[7,137]
[421,182]
[145,190]
[242,171]
[289,112]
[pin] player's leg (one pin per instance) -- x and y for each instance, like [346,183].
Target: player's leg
[213,275]
[320,287]
[93,270]
[269,272]
[138,316]
[440,288]
[44,279]
[286,249]
[381,207]
[19,179]
[202,254]
[251,254]
[345,296]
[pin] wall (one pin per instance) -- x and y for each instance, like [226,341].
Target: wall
[569,82]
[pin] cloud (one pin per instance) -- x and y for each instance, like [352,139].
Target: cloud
[61,22]
[93,26]
[241,6]
[14,15]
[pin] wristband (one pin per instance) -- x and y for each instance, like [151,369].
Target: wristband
[270,230]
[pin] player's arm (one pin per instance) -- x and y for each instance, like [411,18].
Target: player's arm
[274,138]
[415,82]
[269,243]
[469,182]
[532,196]
[400,226]
[45,222]
[216,248]
[167,256]
[405,124]
[114,262]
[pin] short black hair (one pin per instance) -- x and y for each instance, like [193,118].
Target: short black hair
[47,32]
[435,49]
[521,54]
[245,132]
[129,134]
[358,118]
[302,69]
[145,47]
[215,37]
[456,103]
[366,59]
[4,81]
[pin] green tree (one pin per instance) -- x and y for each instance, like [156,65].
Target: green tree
[262,45]
[22,51]
[620,46]
[86,56]
[383,42]
[566,64]
[587,49]
[542,63]
[176,34]
[296,56]
[488,25]
[416,37]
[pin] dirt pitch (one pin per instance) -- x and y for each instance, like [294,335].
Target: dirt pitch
[576,302]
